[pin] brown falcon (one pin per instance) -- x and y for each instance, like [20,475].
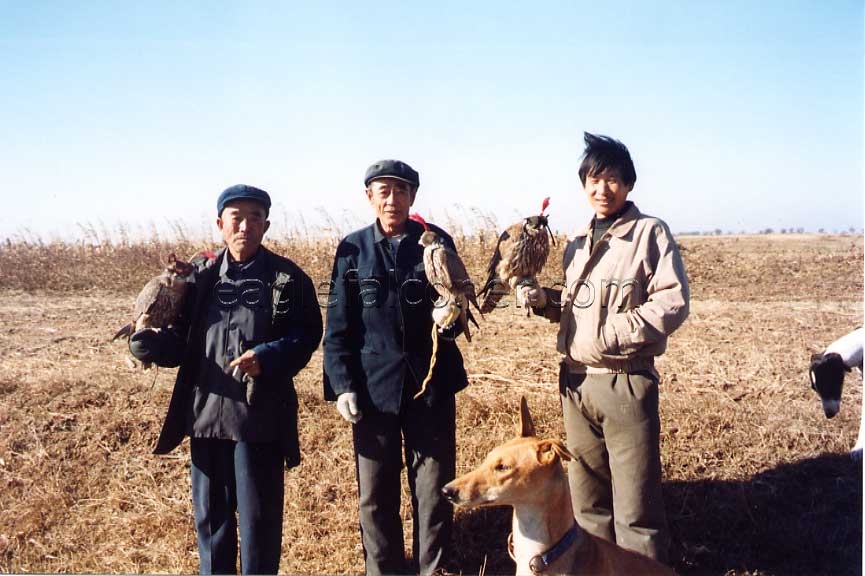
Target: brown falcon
[447,273]
[160,301]
[521,253]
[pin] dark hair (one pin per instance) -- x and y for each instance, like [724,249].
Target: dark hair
[603,152]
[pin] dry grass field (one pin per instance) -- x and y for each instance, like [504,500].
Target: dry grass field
[757,480]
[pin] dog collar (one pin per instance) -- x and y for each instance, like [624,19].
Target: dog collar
[539,563]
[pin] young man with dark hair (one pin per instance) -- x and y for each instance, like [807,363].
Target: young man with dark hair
[625,292]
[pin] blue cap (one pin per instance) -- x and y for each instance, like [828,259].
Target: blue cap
[243,192]
[392,169]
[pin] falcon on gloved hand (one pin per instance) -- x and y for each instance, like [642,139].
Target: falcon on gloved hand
[521,252]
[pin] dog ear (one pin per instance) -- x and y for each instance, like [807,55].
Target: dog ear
[527,427]
[549,450]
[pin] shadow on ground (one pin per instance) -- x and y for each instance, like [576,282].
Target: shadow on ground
[804,517]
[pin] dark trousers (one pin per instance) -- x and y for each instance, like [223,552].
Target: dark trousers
[243,478]
[426,436]
[613,428]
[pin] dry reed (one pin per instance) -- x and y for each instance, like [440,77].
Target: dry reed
[757,481]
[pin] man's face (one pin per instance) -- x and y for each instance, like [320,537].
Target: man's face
[243,224]
[606,192]
[392,199]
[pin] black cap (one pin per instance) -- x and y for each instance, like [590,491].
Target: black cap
[243,192]
[392,169]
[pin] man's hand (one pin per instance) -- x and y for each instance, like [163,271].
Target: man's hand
[346,405]
[531,295]
[248,362]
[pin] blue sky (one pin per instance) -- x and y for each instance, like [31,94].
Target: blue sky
[739,115]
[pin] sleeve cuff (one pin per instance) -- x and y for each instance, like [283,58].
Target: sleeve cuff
[265,357]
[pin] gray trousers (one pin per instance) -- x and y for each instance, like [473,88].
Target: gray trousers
[613,429]
[426,437]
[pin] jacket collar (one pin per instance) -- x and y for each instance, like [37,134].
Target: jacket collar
[259,258]
[620,228]
[412,229]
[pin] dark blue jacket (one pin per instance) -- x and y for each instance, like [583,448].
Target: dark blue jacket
[293,335]
[378,335]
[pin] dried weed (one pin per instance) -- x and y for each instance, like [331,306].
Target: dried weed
[757,481]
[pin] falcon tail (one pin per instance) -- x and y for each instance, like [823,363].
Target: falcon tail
[465,319]
[125,331]
[471,318]
[467,332]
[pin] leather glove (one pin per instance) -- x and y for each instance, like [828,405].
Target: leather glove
[531,295]
[346,405]
[146,345]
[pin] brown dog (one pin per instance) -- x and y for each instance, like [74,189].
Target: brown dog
[527,474]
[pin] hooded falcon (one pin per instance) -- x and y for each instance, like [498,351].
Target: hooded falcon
[447,273]
[521,253]
[160,301]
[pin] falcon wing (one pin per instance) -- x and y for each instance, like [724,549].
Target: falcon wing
[159,303]
[459,278]
[494,262]
[168,305]
[160,297]
[455,284]
[148,296]
[143,304]
[501,257]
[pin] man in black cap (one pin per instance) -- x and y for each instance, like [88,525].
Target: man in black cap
[251,322]
[377,351]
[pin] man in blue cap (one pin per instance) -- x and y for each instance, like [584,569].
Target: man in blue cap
[377,351]
[250,323]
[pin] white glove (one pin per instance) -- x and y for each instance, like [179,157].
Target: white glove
[531,296]
[445,314]
[346,405]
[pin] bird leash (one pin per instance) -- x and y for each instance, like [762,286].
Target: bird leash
[432,362]
[155,374]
